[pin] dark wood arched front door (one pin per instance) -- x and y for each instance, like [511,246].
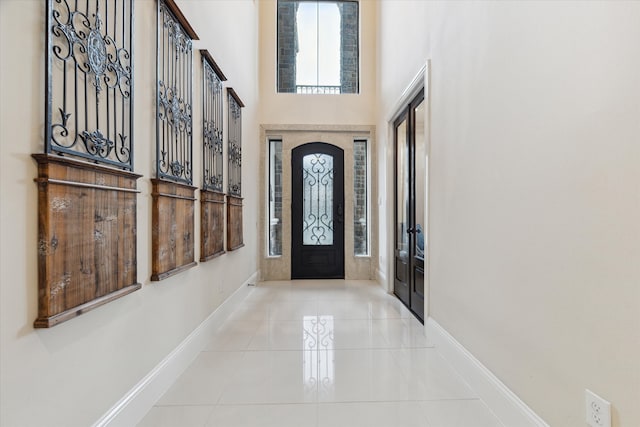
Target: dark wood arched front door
[317,212]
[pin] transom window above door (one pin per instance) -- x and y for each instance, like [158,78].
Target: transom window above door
[318,46]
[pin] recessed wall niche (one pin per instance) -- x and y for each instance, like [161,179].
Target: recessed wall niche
[173,193]
[86,185]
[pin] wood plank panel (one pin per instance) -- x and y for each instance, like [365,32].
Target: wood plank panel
[172,228]
[212,224]
[234,223]
[82,212]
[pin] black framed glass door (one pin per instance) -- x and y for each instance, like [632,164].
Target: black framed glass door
[410,215]
[317,212]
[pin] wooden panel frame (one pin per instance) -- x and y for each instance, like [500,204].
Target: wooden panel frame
[212,225]
[86,237]
[172,228]
[234,223]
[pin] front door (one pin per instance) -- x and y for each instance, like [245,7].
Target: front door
[317,212]
[410,214]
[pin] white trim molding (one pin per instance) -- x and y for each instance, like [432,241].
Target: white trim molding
[504,403]
[419,81]
[134,405]
[381,278]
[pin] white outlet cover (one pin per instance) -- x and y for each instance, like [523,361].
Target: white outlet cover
[598,410]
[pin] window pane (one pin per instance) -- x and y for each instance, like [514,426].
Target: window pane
[318,46]
[317,199]
[328,44]
[360,202]
[420,178]
[275,198]
[307,48]
[402,191]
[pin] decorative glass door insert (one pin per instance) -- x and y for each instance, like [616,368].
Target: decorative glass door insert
[317,188]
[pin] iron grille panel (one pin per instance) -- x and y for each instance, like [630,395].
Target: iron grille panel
[174,126]
[235,145]
[317,199]
[90,81]
[212,152]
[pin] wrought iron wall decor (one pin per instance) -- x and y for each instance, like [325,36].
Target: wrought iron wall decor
[89,92]
[235,143]
[212,119]
[234,199]
[174,127]
[86,187]
[173,204]
[212,198]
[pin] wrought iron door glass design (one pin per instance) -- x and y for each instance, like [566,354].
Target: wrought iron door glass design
[174,143]
[212,128]
[90,80]
[317,187]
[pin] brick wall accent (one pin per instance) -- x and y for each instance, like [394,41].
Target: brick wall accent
[287,45]
[349,47]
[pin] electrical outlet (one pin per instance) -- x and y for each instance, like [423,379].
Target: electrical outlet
[598,410]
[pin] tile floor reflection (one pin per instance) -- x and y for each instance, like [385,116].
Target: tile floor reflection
[320,354]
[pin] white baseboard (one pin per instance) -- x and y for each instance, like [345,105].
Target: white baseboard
[134,405]
[381,277]
[504,403]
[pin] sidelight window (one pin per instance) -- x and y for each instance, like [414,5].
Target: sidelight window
[360,198]
[275,197]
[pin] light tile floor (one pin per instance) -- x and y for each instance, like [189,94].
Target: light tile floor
[320,354]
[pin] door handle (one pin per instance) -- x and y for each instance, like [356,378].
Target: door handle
[410,230]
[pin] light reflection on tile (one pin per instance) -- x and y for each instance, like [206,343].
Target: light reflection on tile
[177,416]
[298,415]
[371,414]
[459,413]
[320,354]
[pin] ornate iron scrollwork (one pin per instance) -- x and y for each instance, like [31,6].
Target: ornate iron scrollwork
[317,187]
[90,80]
[235,144]
[174,142]
[212,151]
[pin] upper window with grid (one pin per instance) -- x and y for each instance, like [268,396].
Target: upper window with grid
[318,46]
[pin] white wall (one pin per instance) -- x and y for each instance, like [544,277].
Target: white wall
[73,373]
[288,108]
[535,189]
